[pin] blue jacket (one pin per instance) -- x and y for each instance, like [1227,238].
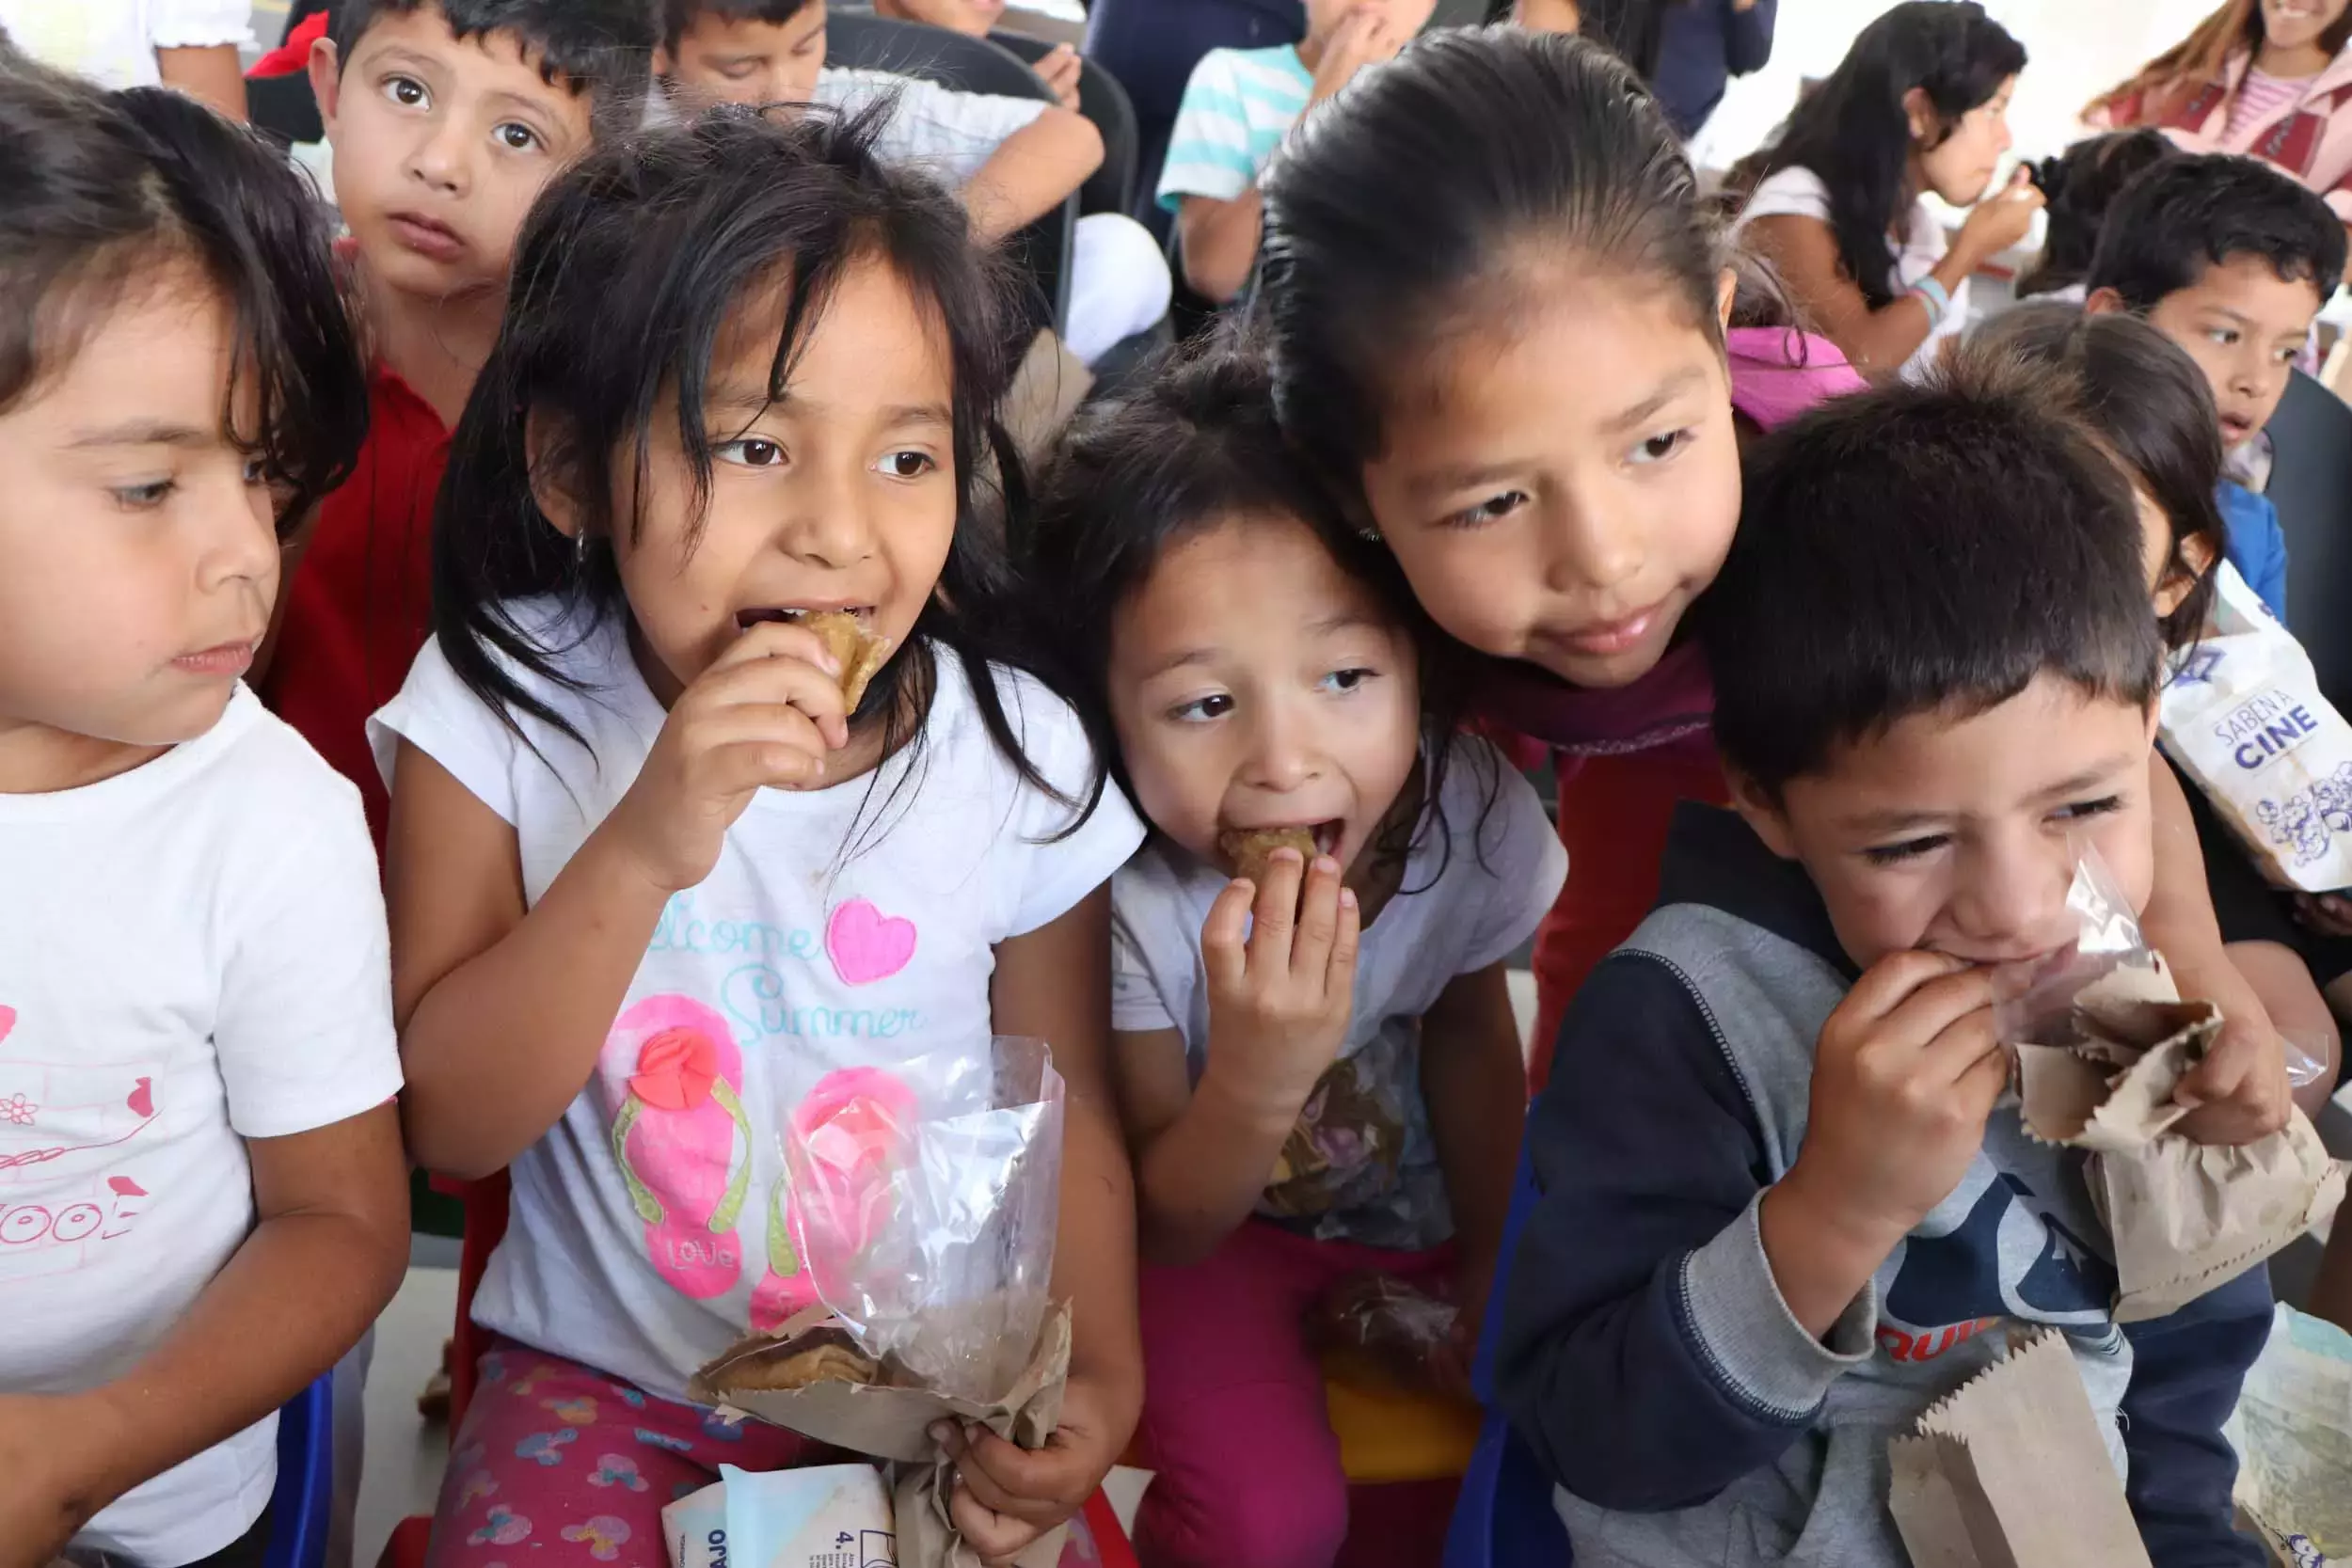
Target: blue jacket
[1644,1351]
[1701,45]
[2256,546]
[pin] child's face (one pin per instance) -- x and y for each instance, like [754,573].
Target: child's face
[841,496]
[141,548]
[1548,16]
[1546,511]
[971,18]
[1959,168]
[1404,18]
[441,145]
[723,59]
[1960,835]
[1254,684]
[2244,325]
[2296,24]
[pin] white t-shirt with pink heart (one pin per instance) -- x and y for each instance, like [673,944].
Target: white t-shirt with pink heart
[842,932]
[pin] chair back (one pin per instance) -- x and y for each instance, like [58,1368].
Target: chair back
[305,1478]
[862,41]
[2311,485]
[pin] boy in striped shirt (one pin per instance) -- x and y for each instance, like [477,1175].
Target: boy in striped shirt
[1238,106]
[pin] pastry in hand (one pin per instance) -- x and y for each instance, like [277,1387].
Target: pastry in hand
[826,1354]
[860,652]
[1251,852]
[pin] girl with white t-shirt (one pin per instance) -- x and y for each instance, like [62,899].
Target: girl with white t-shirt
[655,879]
[202,1199]
[1919,103]
[1317,1061]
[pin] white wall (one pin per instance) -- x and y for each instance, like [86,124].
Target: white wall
[2075,48]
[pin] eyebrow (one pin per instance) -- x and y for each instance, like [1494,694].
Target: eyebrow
[146,433]
[754,402]
[2074,784]
[1446,481]
[1666,392]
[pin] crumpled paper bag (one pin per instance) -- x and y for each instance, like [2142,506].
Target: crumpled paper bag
[892,1422]
[2186,1217]
[2293,1432]
[2009,1471]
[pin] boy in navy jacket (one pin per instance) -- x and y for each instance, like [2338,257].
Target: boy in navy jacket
[1783,1210]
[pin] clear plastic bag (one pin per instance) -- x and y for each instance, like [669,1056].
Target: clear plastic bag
[924,1201]
[2034,1000]
[1404,1335]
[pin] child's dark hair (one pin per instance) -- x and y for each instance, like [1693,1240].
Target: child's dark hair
[2148,403]
[678,15]
[1923,549]
[102,195]
[2188,213]
[631,266]
[1853,132]
[1194,446]
[601,48]
[1420,199]
[2080,184]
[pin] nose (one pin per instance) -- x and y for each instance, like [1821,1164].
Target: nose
[2010,900]
[236,530]
[442,159]
[830,520]
[1283,755]
[1596,540]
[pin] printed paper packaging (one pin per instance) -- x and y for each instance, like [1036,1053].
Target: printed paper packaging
[2011,1471]
[2186,1217]
[2243,717]
[2293,1432]
[826,1516]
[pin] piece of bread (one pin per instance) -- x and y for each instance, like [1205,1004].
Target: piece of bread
[821,1355]
[858,650]
[1251,852]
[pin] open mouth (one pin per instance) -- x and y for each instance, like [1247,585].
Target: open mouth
[746,619]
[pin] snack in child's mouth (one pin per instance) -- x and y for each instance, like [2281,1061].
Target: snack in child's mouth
[860,652]
[1252,851]
[824,1355]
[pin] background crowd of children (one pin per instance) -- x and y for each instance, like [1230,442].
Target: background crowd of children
[544,839]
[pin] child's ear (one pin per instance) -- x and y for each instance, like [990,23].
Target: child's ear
[327,82]
[2196,560]
[2105,302]
[663,65]
[1919,109]
[1762,810]
[1727,291]
[541,445]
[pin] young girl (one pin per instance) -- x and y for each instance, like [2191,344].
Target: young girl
[1439,285]
[2080,184]
[1311,1064]
[2269,78]
[1919,103]
[655,879]
[203,1201]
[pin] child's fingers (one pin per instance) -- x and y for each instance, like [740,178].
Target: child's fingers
[1340,975]
[1277,911]
[1225,936]
[779,679]
[1009,1480]
[992,1537]
[750,765]
[1318,920]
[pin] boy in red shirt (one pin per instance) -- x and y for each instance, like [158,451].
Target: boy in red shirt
[446,118]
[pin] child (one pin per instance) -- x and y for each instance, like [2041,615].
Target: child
[188,44]
[1919,103]
[1059,69]
[2230,259]
[1258,663]
[1425,254]
[205,1202]
[446,118]
[653,876]
[1014,159]
[1771,1150]
[1238,109]
[2079,185]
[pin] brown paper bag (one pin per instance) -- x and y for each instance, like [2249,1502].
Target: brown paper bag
[2011,1471]
[2186,1217]
[893,1423]
[1047,388]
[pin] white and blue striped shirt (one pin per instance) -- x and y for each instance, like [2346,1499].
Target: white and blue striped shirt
[1238,106]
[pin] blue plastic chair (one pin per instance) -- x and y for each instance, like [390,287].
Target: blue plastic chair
[1503,1518]
[305,1478]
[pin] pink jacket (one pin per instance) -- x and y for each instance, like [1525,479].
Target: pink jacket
[2309,137]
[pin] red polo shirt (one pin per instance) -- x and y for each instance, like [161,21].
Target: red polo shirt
[360,604]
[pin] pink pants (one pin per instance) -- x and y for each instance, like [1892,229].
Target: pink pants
[557,1465]
[1233,1422]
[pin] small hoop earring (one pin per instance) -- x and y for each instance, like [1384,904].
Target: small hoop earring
[1369,535]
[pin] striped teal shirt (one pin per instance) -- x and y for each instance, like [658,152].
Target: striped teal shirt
[1237,109]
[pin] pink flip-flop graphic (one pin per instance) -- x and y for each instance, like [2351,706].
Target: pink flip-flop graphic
[850,1138]
[672,1077]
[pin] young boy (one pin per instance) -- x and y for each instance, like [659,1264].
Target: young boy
[1780,1213]
[976,19]
[1239,107]
[2231,260]
[446,118]
[1014,159]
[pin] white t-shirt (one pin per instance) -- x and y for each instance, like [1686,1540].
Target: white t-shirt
[1361,1165]
[113,42]
[947,133]
[1798,192]
[192,954]
[814,958]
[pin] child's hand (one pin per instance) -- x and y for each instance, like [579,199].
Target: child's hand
[2328,914]
[1905,1074]
[1010,1495]
[51,1450]
[1060,71]
[765,713]
[2240,1089]
[2002,218]
[1279,1002]
[1361,38]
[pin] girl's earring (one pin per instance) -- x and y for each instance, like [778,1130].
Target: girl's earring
[1369,534]
[579,549]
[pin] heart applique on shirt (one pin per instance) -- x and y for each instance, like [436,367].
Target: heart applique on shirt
[866,944]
